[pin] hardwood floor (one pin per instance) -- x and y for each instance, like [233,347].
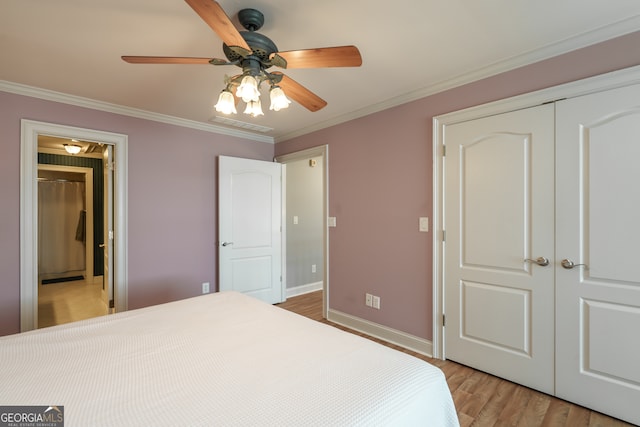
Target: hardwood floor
[66,302]
[482,399]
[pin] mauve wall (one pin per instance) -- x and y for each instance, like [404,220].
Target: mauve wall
[380,183]
[172,200]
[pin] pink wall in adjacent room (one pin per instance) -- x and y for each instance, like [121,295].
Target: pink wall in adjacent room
[171,205]
[380,183]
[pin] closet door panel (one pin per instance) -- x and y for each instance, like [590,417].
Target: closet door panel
[611,154]
[498,221]
[598,230]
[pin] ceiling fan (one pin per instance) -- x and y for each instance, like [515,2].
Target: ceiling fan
[255,53]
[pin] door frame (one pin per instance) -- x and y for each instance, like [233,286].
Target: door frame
[323,151]
[30,130]
[586,86]
[88,194]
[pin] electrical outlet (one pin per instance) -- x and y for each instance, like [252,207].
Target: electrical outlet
[375,302]
[313,268]
[368,298]
[205,288]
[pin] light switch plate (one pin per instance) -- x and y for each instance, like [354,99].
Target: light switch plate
[331,221]
[424,224]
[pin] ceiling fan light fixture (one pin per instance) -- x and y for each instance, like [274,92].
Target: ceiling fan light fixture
[278,99]
[72,148]
[226,103]
[248,89]
[254,109]
[254,53]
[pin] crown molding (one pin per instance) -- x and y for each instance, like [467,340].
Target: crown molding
[78,101]
[567,45]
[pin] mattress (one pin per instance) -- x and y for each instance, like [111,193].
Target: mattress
[223,359]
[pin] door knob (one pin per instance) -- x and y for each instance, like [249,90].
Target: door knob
[227,243]
[568,264]
[541,261]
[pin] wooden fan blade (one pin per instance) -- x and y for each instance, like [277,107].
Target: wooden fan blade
[166,60]
[340,56]
[212,13]
[300,94]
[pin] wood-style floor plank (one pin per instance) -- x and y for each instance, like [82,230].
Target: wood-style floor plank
[535,411]
[483,400]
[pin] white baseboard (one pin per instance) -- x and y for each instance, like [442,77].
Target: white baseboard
[393,336]
[303,289]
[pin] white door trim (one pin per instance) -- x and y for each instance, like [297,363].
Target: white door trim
[323,151]
[569,90]
[29,219]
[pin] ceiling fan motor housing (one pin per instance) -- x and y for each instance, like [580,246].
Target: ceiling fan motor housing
[261,45]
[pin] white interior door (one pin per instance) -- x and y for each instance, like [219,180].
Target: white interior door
[499,212]
[598,212]
[249,229]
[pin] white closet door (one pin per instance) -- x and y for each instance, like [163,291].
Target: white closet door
[499,211]
[598,224]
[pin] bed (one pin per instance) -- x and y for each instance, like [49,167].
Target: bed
[223,359]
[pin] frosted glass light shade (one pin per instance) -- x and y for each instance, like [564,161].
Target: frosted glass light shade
[248,89]
[254,108]
[226,103]
[278,99]
[72,148]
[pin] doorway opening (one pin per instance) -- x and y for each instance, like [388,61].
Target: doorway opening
[42,156]
[306,199]
[69,287]
[72,199]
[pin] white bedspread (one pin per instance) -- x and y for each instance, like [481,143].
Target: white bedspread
[221,359]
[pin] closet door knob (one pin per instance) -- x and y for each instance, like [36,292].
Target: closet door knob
[541,261]
[227,243]
[568,264]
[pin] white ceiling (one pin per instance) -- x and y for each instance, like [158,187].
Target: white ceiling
[410,48]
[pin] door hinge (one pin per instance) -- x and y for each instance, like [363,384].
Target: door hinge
[444,150]
[444,236]
[444,322]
